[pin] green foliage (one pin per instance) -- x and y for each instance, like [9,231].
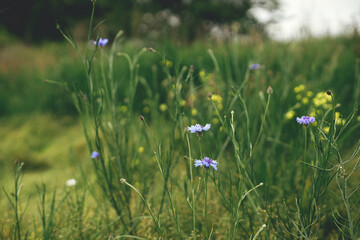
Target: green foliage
[276,178]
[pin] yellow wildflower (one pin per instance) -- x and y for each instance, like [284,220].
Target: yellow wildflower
[358,118]
[298,97]
[305,100]
[326,130]
[202,74]
[215,121]
[290,114]
[217,98]
[182,102]
[299,88]
[123,109]
[141,149]
[163,107]
[194,112]
[166,63]
[309,93]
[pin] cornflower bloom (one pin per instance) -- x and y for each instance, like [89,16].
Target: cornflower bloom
[197,128]
[94,154]
[306,120]
[255,66]
[102,42]
[207,163]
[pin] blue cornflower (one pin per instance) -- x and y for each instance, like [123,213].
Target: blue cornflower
[306,120]
[94,154]
[102,42]
[197,128]
[255,66]
[206,162]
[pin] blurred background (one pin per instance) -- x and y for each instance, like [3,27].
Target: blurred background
[179,20]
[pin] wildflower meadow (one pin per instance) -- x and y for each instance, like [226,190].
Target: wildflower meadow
[235,140]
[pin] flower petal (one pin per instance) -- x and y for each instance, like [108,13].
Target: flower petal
[206,127]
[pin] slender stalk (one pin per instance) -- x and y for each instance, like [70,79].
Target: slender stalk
[193,205]
[156,221]
[205,205]
[258,232]
[261,126]
[305,148]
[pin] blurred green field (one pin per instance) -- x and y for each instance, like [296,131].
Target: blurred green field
[40,125]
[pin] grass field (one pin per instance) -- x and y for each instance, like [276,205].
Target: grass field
[275,178]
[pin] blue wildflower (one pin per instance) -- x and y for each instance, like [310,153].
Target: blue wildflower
[197,128]
[94,154]
[207,163]
[102,42]
[306,120]
[255,66]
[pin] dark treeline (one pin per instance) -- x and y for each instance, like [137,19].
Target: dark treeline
[34,20]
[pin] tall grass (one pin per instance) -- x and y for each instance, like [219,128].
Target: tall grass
[275,179]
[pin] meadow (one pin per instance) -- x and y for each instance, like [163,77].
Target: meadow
[101,142]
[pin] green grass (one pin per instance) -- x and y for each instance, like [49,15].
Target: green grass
[256,143]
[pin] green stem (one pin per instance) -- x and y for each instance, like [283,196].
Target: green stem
[305,148]
[205,205]
[157,223]
[261,127]
[193,205]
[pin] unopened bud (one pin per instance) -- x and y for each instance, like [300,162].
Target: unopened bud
[122,180]
[141,117]
[209,95]
[270,90]
[328,92]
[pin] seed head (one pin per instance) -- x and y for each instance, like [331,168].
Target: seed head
[141,117]
[328,92]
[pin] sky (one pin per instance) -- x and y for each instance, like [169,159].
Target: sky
[320,17]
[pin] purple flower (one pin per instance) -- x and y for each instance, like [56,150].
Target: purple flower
[206,162]
[94,154]
[306,120]
[255,66]
[102,42]
[197,128]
